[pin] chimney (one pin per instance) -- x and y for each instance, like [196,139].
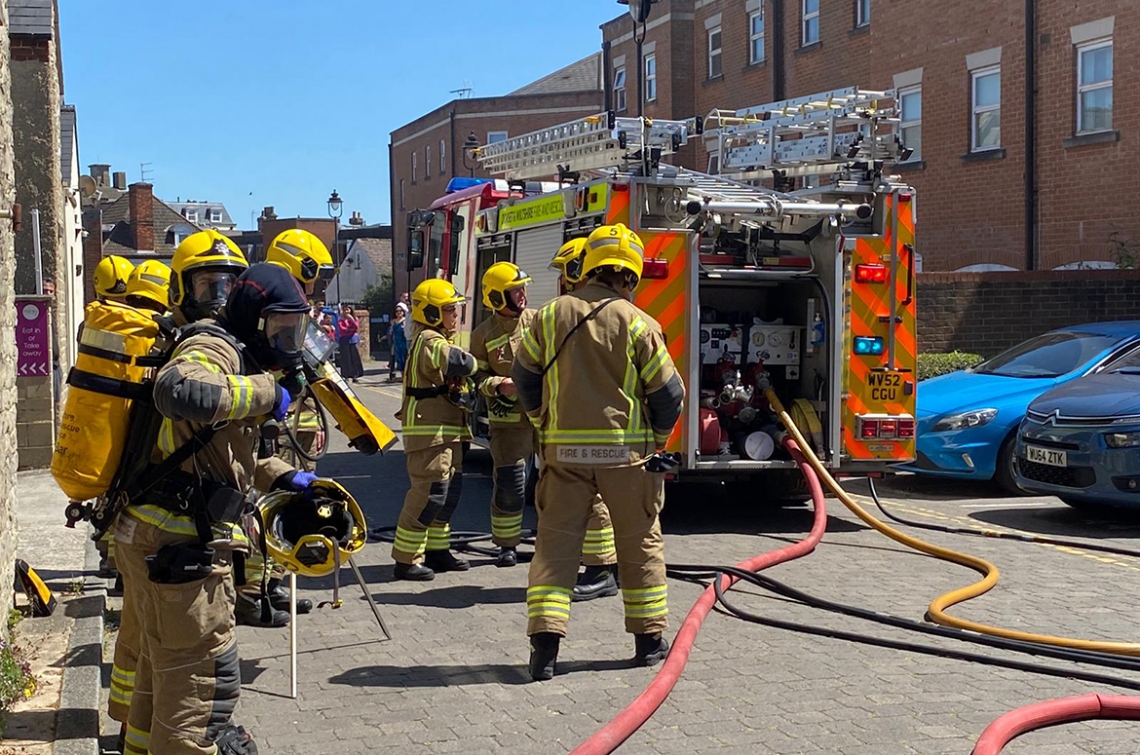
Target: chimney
[92,250]
[101,173]
[142,215]
[119,180]
[268,213]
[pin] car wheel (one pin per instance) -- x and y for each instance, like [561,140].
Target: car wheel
[1004,470]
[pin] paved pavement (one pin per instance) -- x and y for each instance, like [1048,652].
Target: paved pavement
[452,679]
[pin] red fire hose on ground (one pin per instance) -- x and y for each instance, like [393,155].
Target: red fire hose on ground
[1052,712]
[610,737]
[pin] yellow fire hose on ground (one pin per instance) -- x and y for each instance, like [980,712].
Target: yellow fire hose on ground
[936,611]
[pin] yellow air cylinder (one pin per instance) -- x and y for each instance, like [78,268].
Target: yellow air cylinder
[106,381]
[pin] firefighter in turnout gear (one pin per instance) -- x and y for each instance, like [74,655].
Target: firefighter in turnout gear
[598,553]
[513,438]
[438,395]
[595,373]
[203,271]
[111,275]
[302,254]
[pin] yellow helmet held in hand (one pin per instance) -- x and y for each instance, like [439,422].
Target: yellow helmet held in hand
[111,276]
[150,282]
[500,278]
[305,255]
[204,268]
[429,299]
[569,260]
[614,247]
[312,531]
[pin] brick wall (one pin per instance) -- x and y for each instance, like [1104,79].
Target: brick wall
[985,313]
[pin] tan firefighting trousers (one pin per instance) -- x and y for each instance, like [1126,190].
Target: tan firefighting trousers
[512,446]
[598,548]
[188,678]
[436,475]
[126,661]
[566,495]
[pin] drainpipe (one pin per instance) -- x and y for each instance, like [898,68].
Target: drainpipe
[451,118]
[1030,135]
[778,67]
[607,59]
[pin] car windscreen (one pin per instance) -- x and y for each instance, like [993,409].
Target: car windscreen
[1129,363]
[1047,356]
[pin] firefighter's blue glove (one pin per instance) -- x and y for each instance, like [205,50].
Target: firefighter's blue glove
[296,480]
[281,403]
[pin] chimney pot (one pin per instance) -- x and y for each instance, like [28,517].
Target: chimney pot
[142,215]
[119,180]
[101,172]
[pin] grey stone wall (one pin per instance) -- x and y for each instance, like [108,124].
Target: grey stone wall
[7,330]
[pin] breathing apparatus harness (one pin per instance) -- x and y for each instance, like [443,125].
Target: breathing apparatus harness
[460,391]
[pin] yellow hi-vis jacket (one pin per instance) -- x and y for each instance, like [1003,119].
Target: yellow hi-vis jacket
[494,345]
[432,360]
[613,394]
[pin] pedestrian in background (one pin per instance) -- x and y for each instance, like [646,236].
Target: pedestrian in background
[350,366]
[398,341]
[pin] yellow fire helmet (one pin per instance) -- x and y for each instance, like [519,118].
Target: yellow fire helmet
[204,268]
[305,255]
[569,260]
[111,276]
[304,530]
[150,282]
[615,247]
[500,278]
[429,299]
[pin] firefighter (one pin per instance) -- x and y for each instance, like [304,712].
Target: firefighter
[513,438]
[111,276]
[178,538]
[148,287]
[595,370]
[202,271]
[438,396]
[598,555]
[302,254]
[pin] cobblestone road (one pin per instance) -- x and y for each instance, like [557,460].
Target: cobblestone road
[453,680]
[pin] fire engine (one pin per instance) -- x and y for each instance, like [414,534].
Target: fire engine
[810,291]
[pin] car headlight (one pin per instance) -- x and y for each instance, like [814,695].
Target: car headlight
[1122,440]
[965,420]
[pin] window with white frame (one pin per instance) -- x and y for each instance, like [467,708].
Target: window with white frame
[715,53]
[1094,86]
[415,165]
[215,215]
[756,36]
[910,120]
[427,161]
[862,12]
[985,122]
[619,89]
[190,214]
[494,137]
[810,22]
[650,78]
[442,157]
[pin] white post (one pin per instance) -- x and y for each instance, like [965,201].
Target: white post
[293,635]
[39,254]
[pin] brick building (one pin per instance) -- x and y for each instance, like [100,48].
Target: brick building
[428,152]
[968,110]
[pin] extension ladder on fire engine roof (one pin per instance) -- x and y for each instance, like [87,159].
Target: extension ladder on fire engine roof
[591,143]
[722,195]
[805,135]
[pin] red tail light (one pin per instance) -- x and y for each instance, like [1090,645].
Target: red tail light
[906,428]
[870,428]
[870,273]
[655,267]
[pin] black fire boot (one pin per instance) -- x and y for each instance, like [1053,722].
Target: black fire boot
[650,649]
[595,582]
[543,655]
[442,561]
[259,612]
[507,557]
[414,573]
[279,597]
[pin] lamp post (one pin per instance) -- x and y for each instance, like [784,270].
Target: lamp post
[470,145]
[639,11]
[336,208]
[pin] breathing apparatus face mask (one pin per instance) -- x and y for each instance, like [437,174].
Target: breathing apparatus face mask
[210,289]
[284,339]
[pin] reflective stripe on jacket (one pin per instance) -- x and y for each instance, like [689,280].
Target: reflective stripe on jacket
[494,345]
[433,359]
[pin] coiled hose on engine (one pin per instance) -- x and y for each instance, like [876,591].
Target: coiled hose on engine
[936,611]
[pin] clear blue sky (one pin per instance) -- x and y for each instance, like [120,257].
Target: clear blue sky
[278,102]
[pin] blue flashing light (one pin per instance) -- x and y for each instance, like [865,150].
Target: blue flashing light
[867,346]
[461,183]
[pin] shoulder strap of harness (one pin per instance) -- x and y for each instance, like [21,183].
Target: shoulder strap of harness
[593,313]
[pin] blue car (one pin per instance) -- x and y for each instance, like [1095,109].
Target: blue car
[967,421]
[1081,441]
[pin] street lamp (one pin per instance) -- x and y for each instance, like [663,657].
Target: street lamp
[639,11]
[470,146]
[336,209]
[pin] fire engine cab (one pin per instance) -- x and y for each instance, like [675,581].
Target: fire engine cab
[810,292]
